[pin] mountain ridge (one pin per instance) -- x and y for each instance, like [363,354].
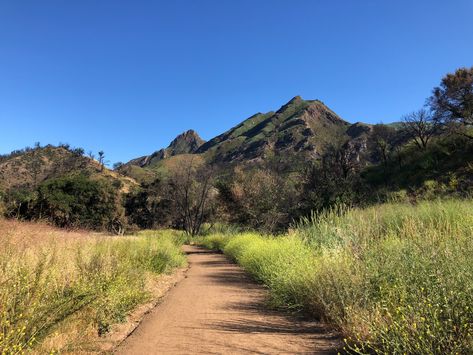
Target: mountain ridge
[299,127]
[185,143]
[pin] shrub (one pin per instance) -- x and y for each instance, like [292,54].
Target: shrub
[78,201]
[284,264]
[258,199]
[214,241]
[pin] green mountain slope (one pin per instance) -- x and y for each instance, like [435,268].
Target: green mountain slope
[300,126]
[185,143]
[299,131]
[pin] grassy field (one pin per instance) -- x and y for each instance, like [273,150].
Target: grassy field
[395,278]
[61,291]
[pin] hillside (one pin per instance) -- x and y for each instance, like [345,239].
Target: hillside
[299,126]
[185,143]
[30,168]
[300,130]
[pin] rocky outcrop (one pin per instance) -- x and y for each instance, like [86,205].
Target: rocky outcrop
[185,143]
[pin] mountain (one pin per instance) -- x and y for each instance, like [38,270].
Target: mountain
[300,126]
[359,129]
[300,130]
[185,143]
[29,168]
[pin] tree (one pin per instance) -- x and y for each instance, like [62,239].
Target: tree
[78,151]
[101,159]
[190,185]
[332,181]
[150,206]
[79,201]
[420,126]
[259,198]
[382,142]
[16,202]
[342,158]
[452,101]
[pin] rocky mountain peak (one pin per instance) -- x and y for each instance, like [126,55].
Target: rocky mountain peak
[187,142]
[293,103]
[302,128]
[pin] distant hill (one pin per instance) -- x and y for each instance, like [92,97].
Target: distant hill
[185,143]
[299,130]
[28,169]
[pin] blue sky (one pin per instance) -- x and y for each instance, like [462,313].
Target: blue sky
[128,76]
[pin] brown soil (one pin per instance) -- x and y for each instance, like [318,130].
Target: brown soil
[217,309]
[121,331]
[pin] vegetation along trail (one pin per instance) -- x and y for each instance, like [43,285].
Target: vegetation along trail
[218,309]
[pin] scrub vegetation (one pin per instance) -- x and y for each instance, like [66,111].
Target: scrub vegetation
[62,290]
[365,226]
[395,278]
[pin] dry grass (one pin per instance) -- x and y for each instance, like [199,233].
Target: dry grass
[62,291]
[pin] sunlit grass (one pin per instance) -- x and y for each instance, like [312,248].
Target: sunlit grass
[50,278]
[394,278]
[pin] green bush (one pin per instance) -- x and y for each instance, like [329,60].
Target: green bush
[78,201]
[214,241]
[75,201]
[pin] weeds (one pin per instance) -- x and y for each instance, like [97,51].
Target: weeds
[394,278]
[47,282]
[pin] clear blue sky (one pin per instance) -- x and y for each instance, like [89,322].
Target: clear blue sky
[128,76]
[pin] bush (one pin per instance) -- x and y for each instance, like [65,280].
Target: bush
[284,264]
[78,201]
[16,202]
[214,241]
[75,201]
[149,206]
[258,199]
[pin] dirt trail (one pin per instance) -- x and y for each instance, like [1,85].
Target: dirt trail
[217,309]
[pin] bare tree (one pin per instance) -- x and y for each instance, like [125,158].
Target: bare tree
[382,142]
[190,186]
[342,157]
[101,159]
[258,197]
[420,126]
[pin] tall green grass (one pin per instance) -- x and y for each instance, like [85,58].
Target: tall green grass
[394,278]
[98,279]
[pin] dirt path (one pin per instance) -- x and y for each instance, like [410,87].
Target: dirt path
[217,309]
